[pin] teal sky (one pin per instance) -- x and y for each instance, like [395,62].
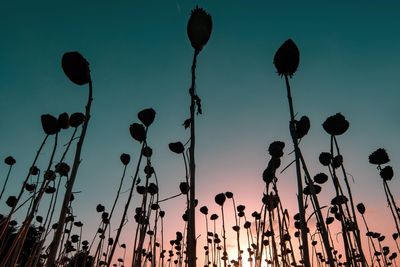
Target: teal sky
[140,57]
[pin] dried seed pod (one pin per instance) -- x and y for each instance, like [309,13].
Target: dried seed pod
[379,157]
[184,188]
[320,178]
[302,127]
[11,201]
[199,28]
[138,132]
[76,119]
[147,152]
[125,158]
[176,147]
[63,121]
[49,124]
[361,208]
[204,210]
[146,116]
[220,199]
[100,208]
[336,124]
[325,158]
[9,161]
[386,173]
[276,149]
[76,68]
[62,168]
[229,195]
[337,161]
[287,58]
[307,190]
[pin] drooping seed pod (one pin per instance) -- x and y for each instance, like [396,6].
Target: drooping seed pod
[138,132]
[146,116]
[379,157]
[63,121]
[49,124]
[302,127]
[199,28]
[176,147]
[76,119]
[287,58]
[336,124]
[76,68]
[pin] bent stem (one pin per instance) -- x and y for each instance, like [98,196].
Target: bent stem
[77,159]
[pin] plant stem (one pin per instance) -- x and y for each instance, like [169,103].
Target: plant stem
[70,184]
[303,226]
[191,229]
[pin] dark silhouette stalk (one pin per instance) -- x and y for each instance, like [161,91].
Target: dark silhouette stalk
[126,207]
[6,181]
[191,229]
[70,184]
[303,226]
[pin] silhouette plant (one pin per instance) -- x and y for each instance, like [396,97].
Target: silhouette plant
[286,61]
[76,68]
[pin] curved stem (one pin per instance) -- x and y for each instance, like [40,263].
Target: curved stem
[77,160]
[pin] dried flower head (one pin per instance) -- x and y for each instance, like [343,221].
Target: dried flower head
[336,124]
[138,132]
[302,127]
[184,187]
[386,173]
[76,68]
[11,201]
[379,157]
[176,147]
[9,161]
[76,119]
[49,124]
[276,149]
[146,116]
[220,199]
[125,158]
[325,158]
[287,58]
[320,178]
[361,208]
[199,28]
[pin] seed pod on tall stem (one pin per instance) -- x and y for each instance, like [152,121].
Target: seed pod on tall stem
[199,29]
[286,61]
[76,68]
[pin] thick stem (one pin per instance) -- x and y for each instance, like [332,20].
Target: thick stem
[67,197]
[191,229]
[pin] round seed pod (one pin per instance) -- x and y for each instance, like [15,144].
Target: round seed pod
[220,199]
[125,158]
[386,173]
[361,208]
[336,124]
[325,158]
[320,178]
[9,161]
[379,157]
[63,121]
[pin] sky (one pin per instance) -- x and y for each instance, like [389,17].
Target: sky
[140,57]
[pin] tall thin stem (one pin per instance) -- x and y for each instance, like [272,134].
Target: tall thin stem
[191,235]
[303,226]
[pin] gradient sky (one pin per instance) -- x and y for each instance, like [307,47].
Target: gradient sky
[140,57]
